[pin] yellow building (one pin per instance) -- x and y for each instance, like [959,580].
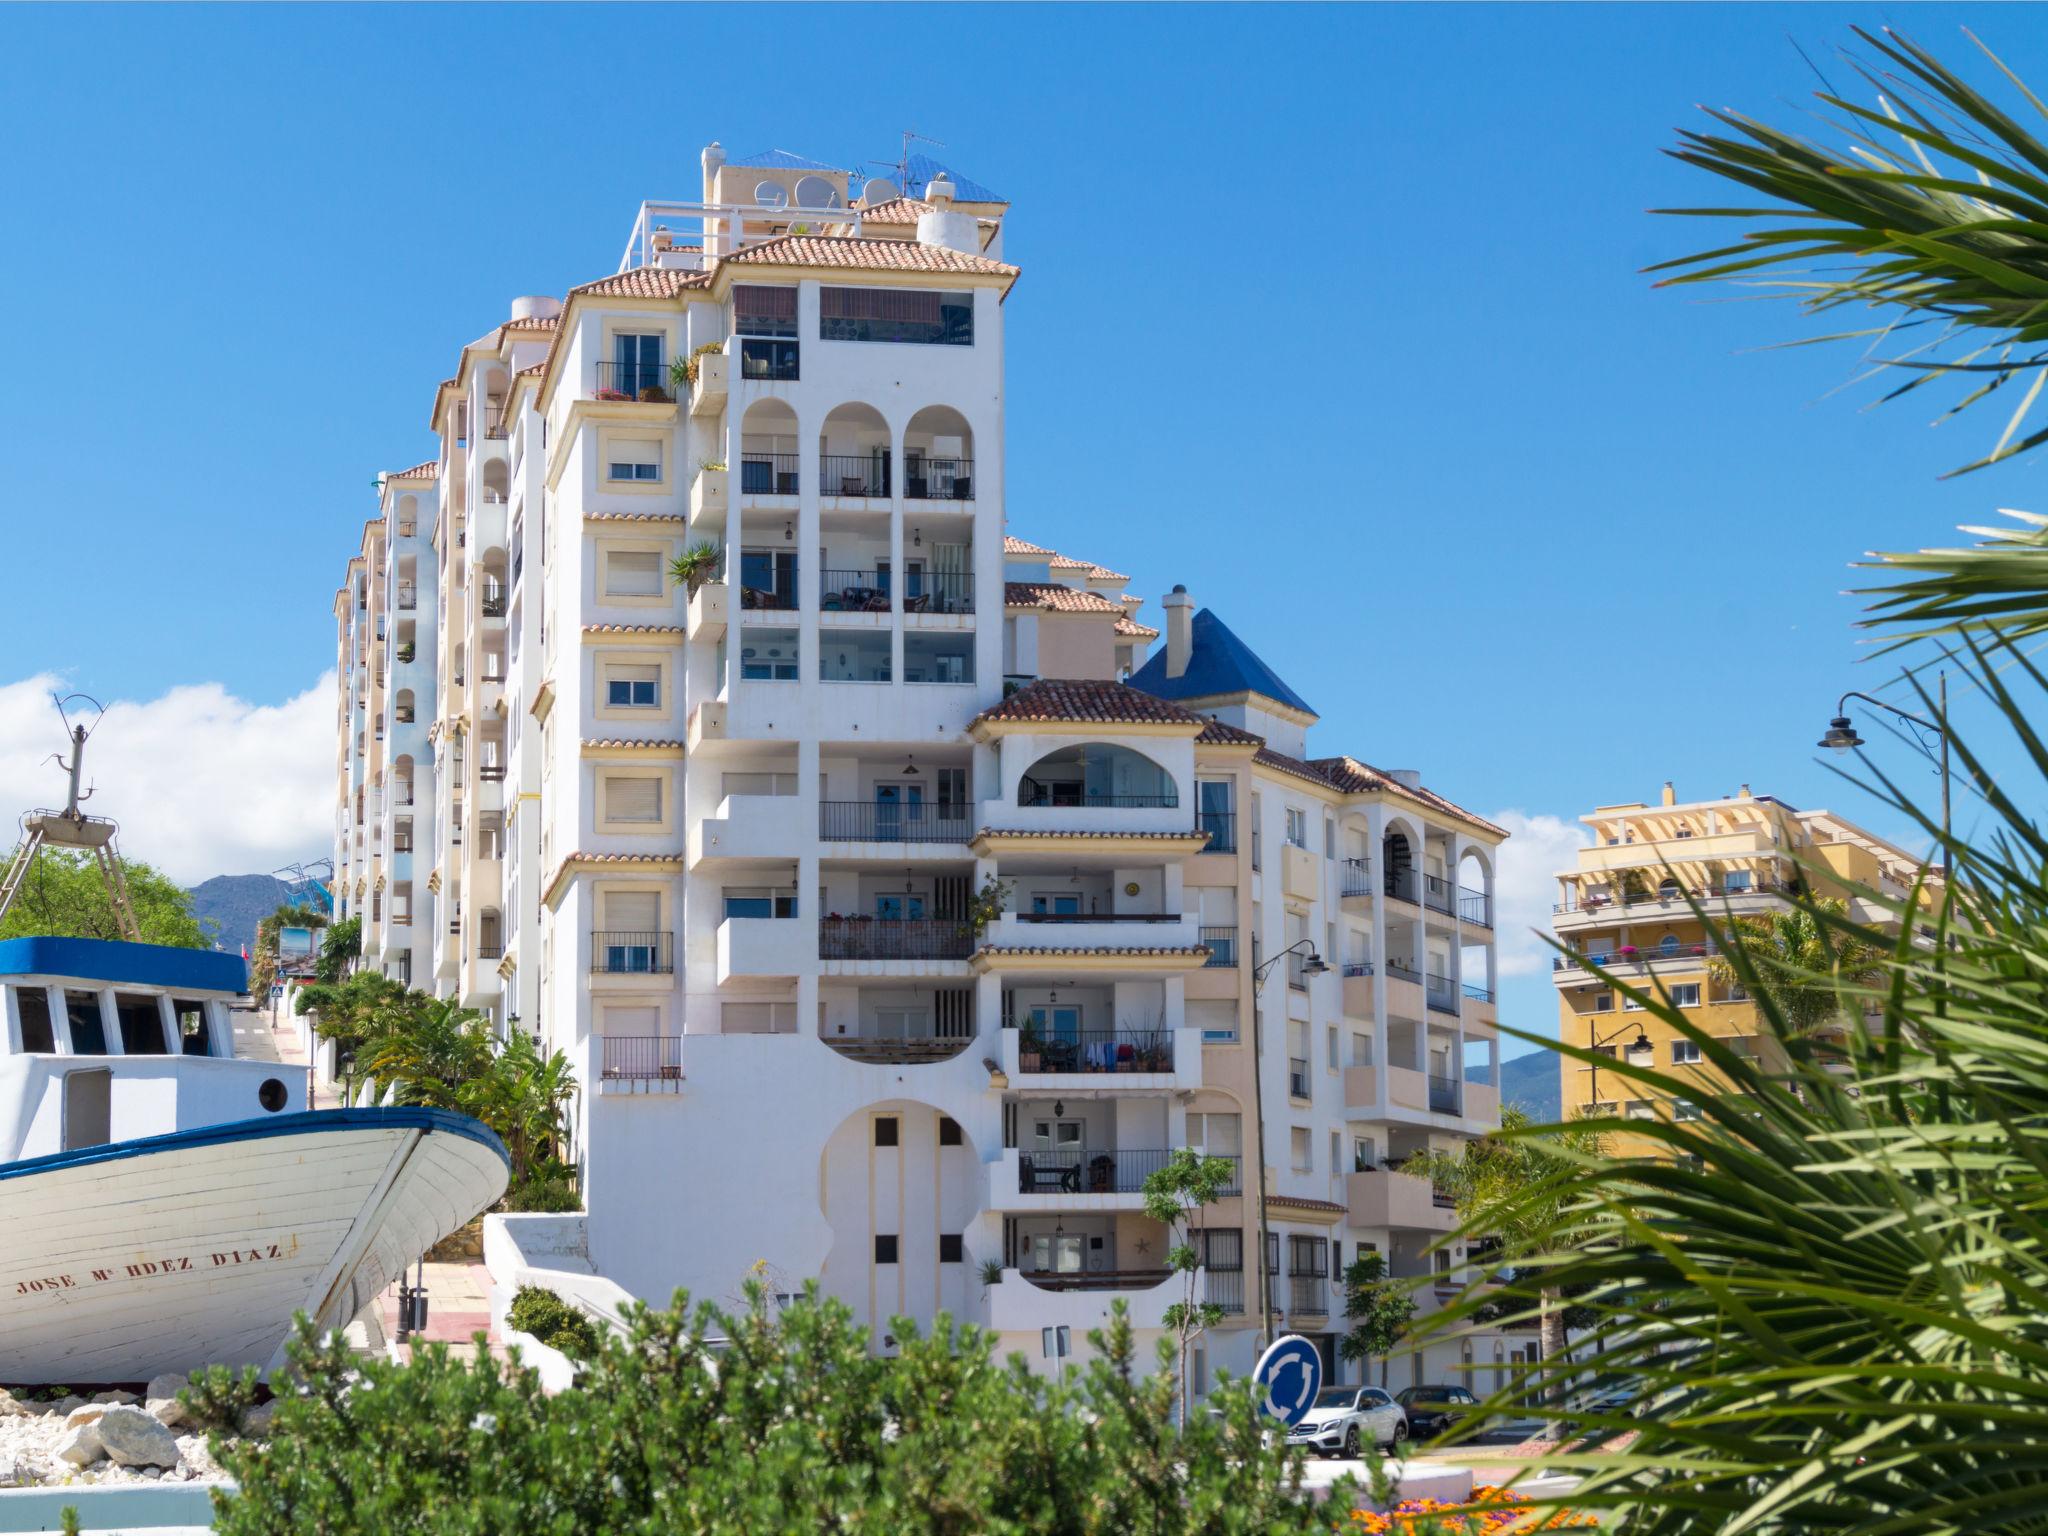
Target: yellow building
[1627,907]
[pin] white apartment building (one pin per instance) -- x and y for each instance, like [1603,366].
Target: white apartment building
[728,847]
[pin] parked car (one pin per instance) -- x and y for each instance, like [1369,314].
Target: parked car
[1342,1419]
[1432,1409]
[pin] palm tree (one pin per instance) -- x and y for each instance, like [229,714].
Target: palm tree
[1804,957]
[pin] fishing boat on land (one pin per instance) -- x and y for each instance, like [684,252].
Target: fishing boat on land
[165,1203]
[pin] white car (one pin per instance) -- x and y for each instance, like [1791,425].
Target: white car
[1342,1419]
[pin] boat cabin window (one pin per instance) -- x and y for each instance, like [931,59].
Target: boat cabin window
[88,1030]
[142,1024]
[37,1033]
[190,1013]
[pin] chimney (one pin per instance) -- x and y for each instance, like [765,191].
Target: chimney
[1743,793]
[535,305]
[714,161]
[942,226]
[1670,794]
[1180,639]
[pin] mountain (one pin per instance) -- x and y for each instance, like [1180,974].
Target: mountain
[238,903]
[1532,1084]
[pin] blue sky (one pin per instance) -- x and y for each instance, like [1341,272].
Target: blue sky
[1332,314]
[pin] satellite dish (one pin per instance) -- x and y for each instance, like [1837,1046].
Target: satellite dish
[878,191]
[770,194]
[816,192]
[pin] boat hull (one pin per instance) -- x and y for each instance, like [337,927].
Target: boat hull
[121,1262]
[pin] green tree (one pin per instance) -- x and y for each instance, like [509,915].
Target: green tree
[1378,1308]
[1176,1195]
[64,896]
[1802,957]
[795,1426]
[340,948]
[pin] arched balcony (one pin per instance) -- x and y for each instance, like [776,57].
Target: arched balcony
[853,455]
[768,450]
[1098,775]
[938,456]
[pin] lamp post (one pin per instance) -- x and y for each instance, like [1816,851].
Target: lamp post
[1841,736]
[1312,966]
[1640,1043]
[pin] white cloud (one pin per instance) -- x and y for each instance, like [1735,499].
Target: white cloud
[202,783]
[1526,884]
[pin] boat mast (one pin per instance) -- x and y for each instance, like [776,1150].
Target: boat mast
[72,828]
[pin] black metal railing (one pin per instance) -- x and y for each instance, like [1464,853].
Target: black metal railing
[1224,1288]
[494,602]
[1478,994]
[403,714]
[1401,972]
[1297,1078]
[1354,878]
[951,592]
[1675,894]
[491,773]
[1222,944]
[1096,1050]
[863,821]
[853,474]
[1080,799]
[1630,957]
[408,597]
[1222,829]
[776,361]
[495,430]
[1436,893]
[1097,917]
[641,1057]
[768,474]
[1442,1198]
[634,381]
[615,952]
[1440,995]
[1475,907]
[939,480]
[1399,884]
[1072,1171]
[1443,1094]
[894,938]
[845,591]
[778,598]
[1356,968]
[488,950]
[1308,1295]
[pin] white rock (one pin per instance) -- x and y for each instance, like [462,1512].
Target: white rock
[167,1411]
[10,1407]
[111,1398]
[135,1439]
[170,1384]
[91,1413]
[257,1420]
[81,1446]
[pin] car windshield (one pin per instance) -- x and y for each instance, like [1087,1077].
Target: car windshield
[1336,1397]
[1409,1395]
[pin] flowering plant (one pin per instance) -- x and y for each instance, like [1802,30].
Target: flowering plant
[1490,1512]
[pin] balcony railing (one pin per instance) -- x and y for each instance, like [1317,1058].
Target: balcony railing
[863,821]
[951,592]
[1399,884]
[1440,995]
[853,474]
[1629,957]
[403,714]
[1675,894]
[1096,1050]
[1357,968]
[768,474]
[1442,1198]
[1436,893]
[629,1058]
[1443,1094]
[1478,994]
[490,949]
[1222,829]
[1297,1078]
[776,361]
[845,591]
[491,773]
[1308,1295]
[1400,972]
[1354,878]
[778,598]
[1062,795]
[408,598]
[939,480]
[881,938]
[1222,944]
[1475,907]
[494,602]
[623,953]
[634,381]
[1070,1171]
[1224,1288]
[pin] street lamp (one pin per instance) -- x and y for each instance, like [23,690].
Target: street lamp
[1312,966]
[1841,736]
[1640,1043]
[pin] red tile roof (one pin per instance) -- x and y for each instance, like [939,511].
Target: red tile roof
[1130,626]
[643,283]
[533,323]
[1047,594]
[533,372]
[632,629]
[430,470]
[1016,546]
[872,255]
[1069,563]
[897,210]
[1104,573]
[1217,734]
[1346,772]
[1055,700]
[617,743]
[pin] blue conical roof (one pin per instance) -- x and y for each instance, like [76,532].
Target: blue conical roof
[1219,664]
[781,160]
[920,169]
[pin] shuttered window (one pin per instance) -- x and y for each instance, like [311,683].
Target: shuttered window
[632,573]
[632,911]
[758,311]
[632,799]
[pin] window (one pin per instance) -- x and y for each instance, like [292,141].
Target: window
[1736,880]
[759,901]
[633,686]
[1630,1005]
[1639,1109]
[1363,1156]
[1603,1002]
[632,573]
[632,797]
[949,1131]
[896,314]
[853,655]
[1685,994]
[1336,1053]
[190,1013]
[1217,1135]
[951,1248]
[1302,1150]
[633,458]
[1685,1109]
[769,655]
[1684,1052]
[761,311]
[938,658]
[1212,814]
[33,1003]
[637,365]
[1737,992]
[88,1028]
[142,1026]
[885,1247]
[1297,827]
[886,1128]
[1216,1018]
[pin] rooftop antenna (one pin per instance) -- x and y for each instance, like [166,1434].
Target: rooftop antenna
[901,166]
[71,827]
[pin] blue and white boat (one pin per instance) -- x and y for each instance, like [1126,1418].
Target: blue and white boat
[166,1204]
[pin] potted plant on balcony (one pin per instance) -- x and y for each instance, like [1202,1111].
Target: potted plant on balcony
[405,651]
[654,394]
[696,565]
[1028,1046]
[682,372]
[986,905]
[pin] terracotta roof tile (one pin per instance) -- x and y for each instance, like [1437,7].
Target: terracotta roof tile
[897,210]
[533,372]
[620,743]
[643,283]
[634,517]
[1346,772]
[1095,949]
[430,470]
[1083,700]
[1069,563]
[1016,546]
[872,255]
[1191,835]
[1104,573]
[1217,734]
[1130,626]
[533,323]
[1046,594]
[632,629]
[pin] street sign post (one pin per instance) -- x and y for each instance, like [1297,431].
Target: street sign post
[1288,1377]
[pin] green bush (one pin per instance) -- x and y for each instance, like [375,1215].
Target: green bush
[794,1427]
[545,1189]
[554,1322]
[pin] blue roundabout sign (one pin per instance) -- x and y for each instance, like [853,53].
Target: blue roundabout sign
[1289,1375]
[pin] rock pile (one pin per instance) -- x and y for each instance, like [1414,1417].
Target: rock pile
[113,1437]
